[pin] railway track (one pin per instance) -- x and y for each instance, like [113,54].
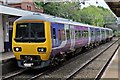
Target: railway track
[71,70]
[90,66]
[10,75]
[50,73]
[99,75]
[26,74]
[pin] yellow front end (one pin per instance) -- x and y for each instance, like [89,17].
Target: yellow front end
[31,48]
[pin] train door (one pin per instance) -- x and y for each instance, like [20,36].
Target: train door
[92,31]
[96,35]
[105,33]
[54,36]
[100,35]
[60,33]
[67,33]
[89,36]
[72,37]
[57,34]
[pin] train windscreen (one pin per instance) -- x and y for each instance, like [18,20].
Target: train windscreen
[30,32]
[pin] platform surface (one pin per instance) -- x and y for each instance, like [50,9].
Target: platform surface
[112,71]
[7,56]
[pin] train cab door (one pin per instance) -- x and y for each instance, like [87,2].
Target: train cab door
[72,37]
[54,36]
[57,34]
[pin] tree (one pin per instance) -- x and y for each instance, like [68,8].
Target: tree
[97,16]
[92,15]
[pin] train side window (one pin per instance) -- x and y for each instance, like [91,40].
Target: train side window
[82,34]
[97,33]
[75,34]
[107,32]
[68,34]
[79,35]
[92,33]
[54,33]
[59,34]
[103,32]
[63,34]
[85,35]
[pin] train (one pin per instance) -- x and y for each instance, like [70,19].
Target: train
[39,41]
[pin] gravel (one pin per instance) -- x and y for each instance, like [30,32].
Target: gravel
[74,65]
[93,69]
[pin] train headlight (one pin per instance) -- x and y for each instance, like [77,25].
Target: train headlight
[40,49]
[17,49]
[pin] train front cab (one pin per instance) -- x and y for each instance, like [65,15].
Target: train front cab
[31,43]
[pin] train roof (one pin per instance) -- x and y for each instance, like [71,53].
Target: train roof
[55,19]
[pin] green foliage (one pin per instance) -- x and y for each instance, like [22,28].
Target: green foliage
[117,33]
[39,5]
[92,15]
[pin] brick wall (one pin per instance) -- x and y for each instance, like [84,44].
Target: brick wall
[28,5]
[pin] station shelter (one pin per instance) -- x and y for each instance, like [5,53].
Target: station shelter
[7,16]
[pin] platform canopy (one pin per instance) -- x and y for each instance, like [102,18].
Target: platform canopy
[114,6]
[19,12]
[13,11]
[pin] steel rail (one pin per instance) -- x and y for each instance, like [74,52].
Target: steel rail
[89,61]
[38,75]
[99,75]
[13,75]
[68,77]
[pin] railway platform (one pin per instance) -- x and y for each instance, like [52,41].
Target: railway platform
[112,70]
[7,56]
[8,62]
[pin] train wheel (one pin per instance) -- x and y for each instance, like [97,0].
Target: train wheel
[83,49]
[54,61]
[77,51]
[58,59]
[62,56]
